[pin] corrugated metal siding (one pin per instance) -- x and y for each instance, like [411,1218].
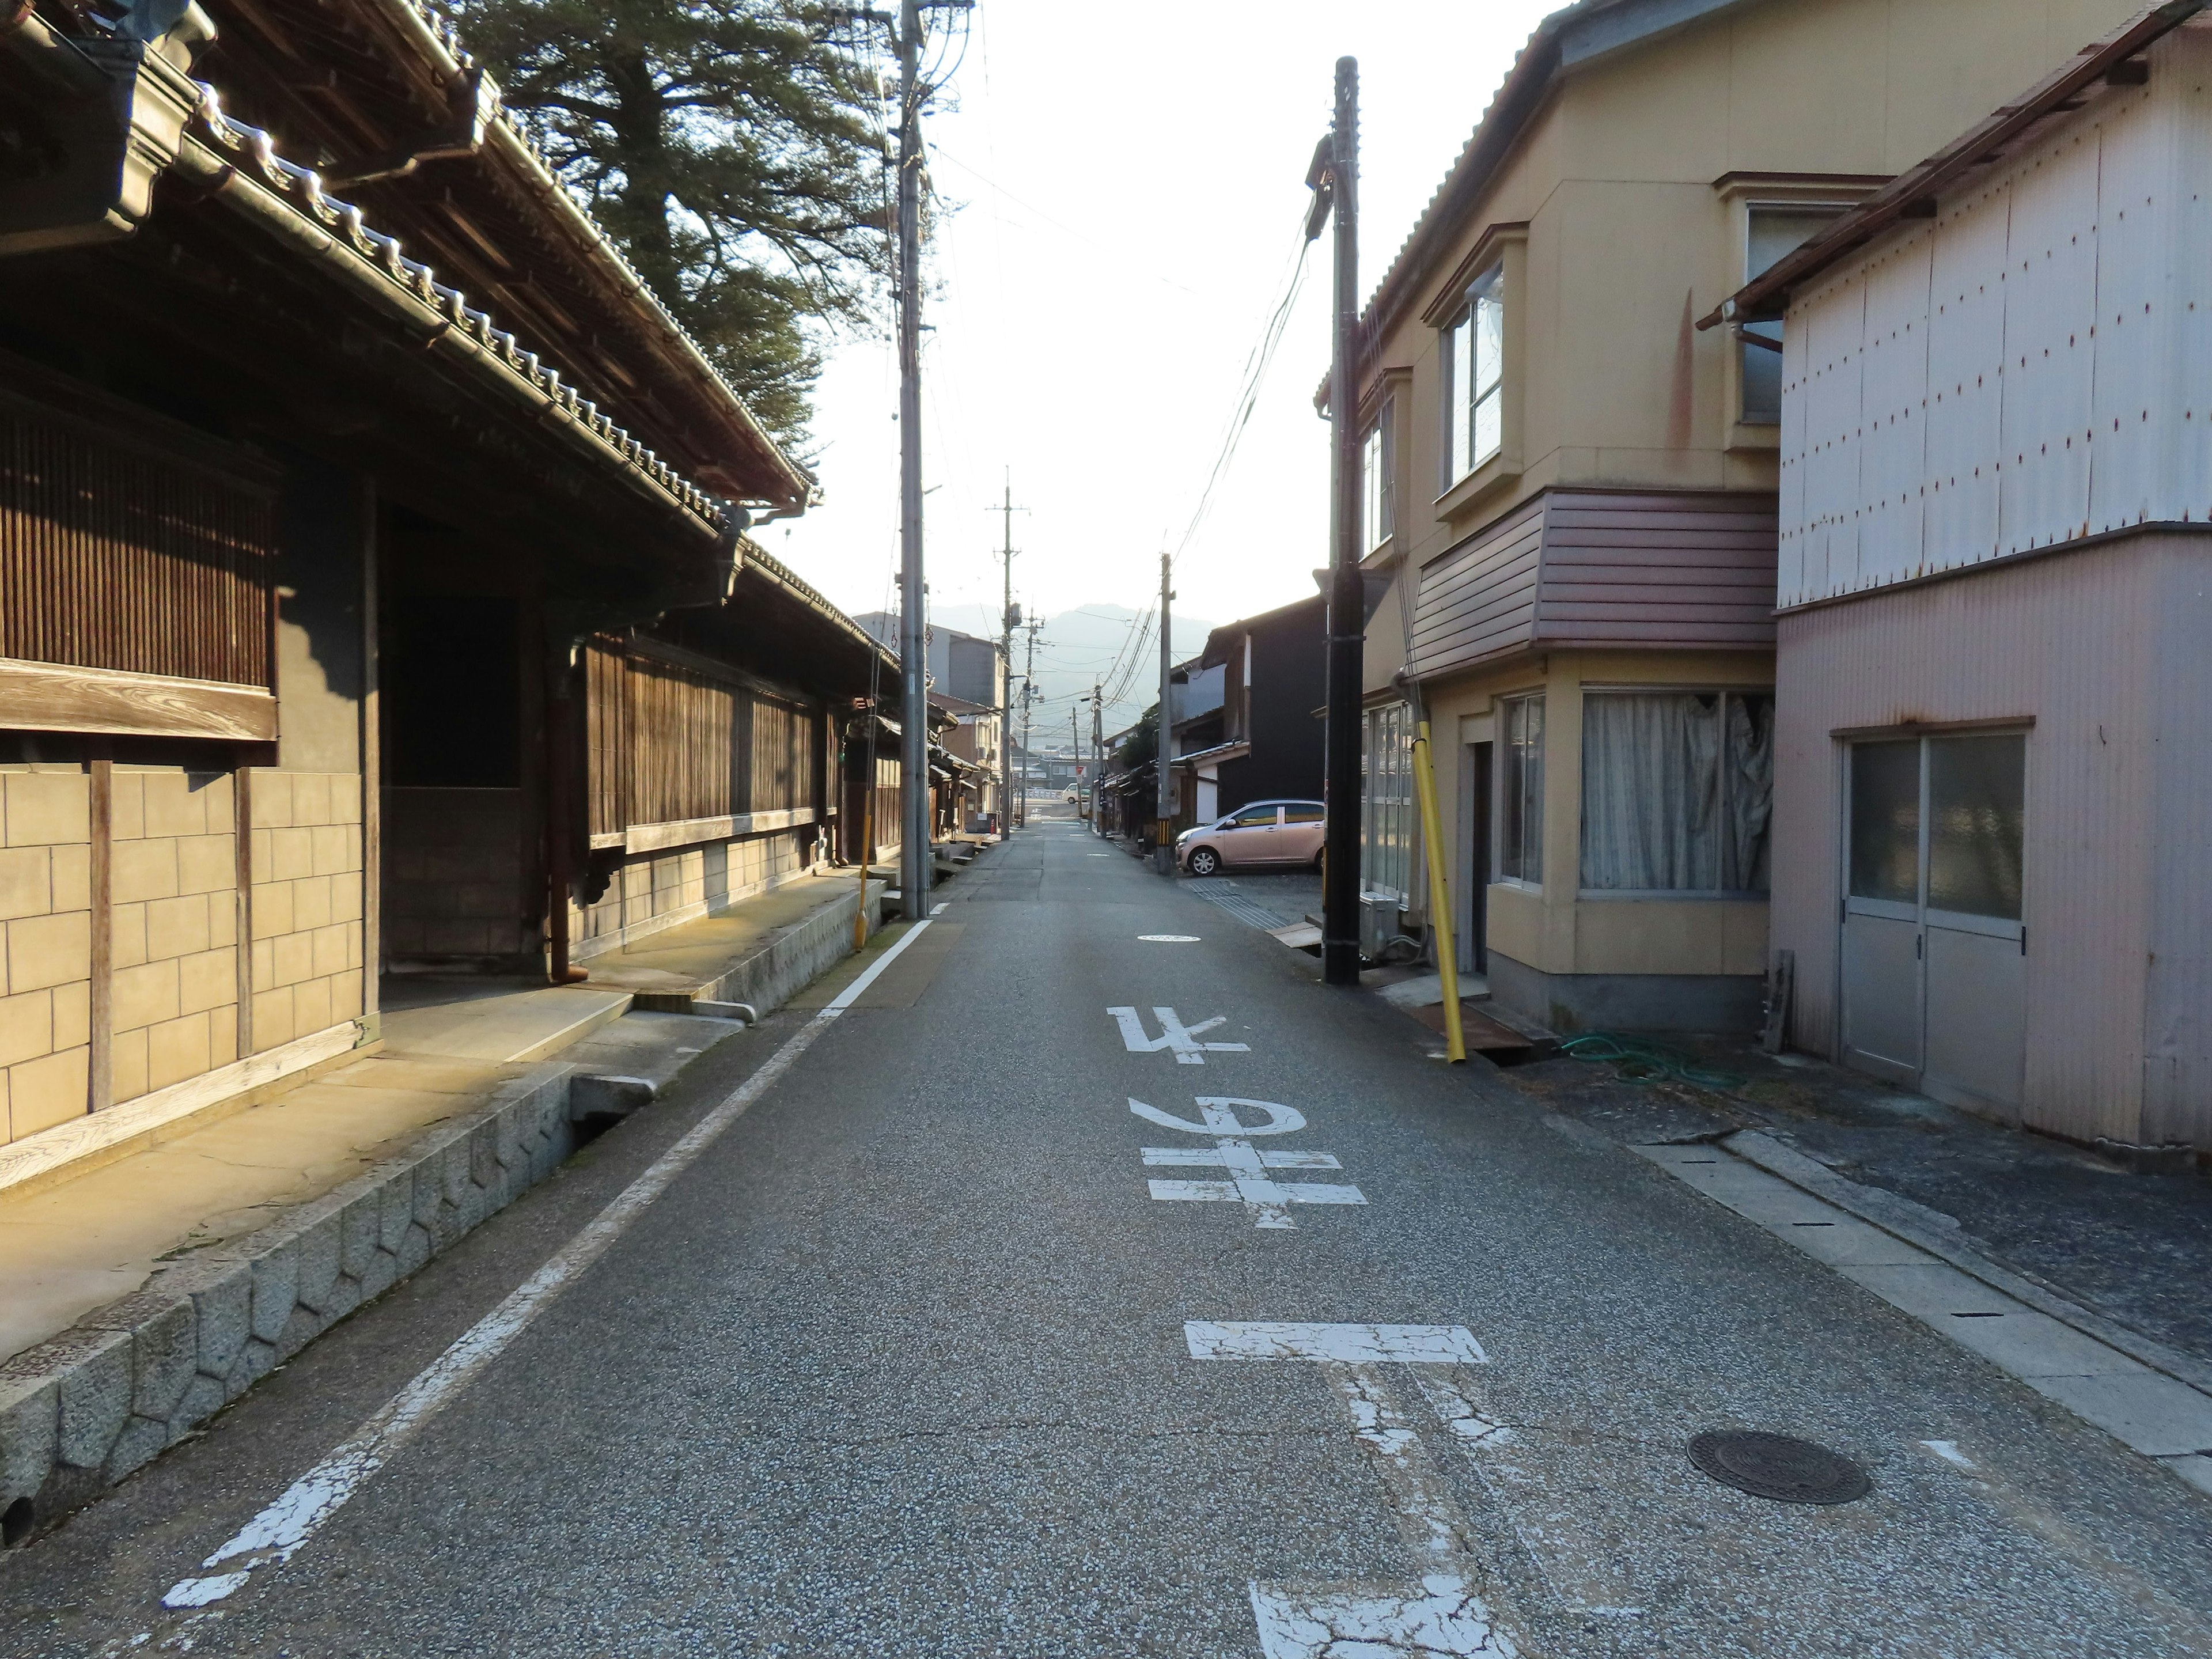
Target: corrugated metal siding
[2066,307]
[1478,600]
[1661,569]
[2102,649]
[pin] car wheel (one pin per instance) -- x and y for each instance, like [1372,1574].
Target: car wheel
[1204,861]
[1319,858]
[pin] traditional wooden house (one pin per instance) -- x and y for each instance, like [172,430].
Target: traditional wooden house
[375,591]
[1993,773]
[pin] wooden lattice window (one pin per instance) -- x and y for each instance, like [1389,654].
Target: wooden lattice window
[115,554]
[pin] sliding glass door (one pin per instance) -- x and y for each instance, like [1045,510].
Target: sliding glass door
[1934,941]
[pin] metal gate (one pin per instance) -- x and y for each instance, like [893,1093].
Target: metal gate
[1934,946]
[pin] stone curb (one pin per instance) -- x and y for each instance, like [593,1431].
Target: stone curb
[84,1408]
[1924,1229]
[785,964]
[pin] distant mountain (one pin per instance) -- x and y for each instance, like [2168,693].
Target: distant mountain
[1075,649]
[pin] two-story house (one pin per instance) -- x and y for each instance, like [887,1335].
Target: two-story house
[1571,490]
[1993,773]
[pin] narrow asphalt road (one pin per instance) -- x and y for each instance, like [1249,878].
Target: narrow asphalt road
[917,1358]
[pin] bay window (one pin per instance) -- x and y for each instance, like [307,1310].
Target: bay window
[1677,789]
[1475,374]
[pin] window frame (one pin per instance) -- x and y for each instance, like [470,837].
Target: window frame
[1466,391]
[1512,802]
[1378,466]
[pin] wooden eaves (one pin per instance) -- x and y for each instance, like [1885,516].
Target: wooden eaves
[386,101]
[1914,193]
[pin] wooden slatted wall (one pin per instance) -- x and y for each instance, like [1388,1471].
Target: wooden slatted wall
[673,741]
[113,557]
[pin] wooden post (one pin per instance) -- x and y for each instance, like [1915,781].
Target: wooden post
[372,771]
[241,818]
[99,1090]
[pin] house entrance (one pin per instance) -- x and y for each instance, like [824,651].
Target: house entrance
[1934,950]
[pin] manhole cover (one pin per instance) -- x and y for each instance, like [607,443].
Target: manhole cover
[1776,1466]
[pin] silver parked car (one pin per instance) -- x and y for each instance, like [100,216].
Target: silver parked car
[1264,832]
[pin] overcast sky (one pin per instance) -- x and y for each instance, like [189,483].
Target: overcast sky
[1129,184]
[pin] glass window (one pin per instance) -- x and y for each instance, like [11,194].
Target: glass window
[1677,789]
[1247,817]
[1521,791]
[1304,812]
[1377,463]
[1977,822]
[1386,802]
[1475,372]
[1886,822]
[1773,232]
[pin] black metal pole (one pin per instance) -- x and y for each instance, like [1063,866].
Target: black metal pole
[1347,620]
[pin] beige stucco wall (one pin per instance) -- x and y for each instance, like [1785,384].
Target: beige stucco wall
[1554,929]
[45,946]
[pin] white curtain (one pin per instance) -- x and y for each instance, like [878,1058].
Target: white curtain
[1677,789]
[1651,795]
[1751,791]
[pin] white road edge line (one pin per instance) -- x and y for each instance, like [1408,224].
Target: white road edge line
[277,1533]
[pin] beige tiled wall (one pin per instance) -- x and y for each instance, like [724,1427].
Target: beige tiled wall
[45,946]
[305,847]
[173,882]
[696,880]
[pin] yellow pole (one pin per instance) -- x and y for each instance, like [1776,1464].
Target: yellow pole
[1425,784]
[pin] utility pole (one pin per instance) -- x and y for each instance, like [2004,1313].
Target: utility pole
[1098,747]
[914,858]
[1028,697]
[1009,619]
[1164,817]
[1075,743]
[1334,179]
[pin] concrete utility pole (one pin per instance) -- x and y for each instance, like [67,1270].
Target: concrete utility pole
[1028,697]
[1334,179]
[1098,747]
[1009,620]
[1163,826]
[914,858]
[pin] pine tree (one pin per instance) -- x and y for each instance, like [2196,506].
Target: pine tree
[729,148]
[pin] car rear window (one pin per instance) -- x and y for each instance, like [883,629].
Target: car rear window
[1304,812]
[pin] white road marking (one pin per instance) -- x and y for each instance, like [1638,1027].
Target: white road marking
[940,909]
[277,1533]
[1469,1422]
[1220,1117]
[1266,1200]
[1167,938]
[1173,1034]
[1099,855]
[1441,1613]
[1949,1452]
[1352,1345]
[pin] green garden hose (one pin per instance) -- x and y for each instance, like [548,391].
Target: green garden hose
[1639,1059]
